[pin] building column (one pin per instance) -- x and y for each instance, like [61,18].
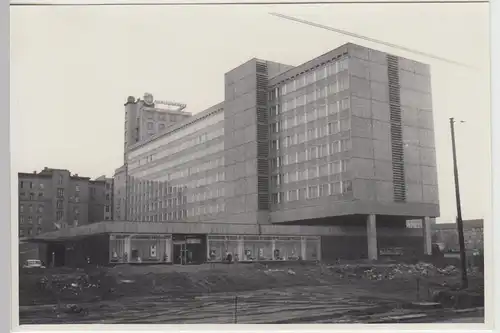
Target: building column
[427,234]
[241,249]
[303,247]
[371,234]
[168,248]
[126,249]
[273,247]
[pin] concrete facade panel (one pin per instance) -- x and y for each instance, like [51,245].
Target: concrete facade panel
[361,127]
[379,91]
[363,168]
[381,131]
[383,170]
[360,87]
[364,189]
[378,72]
[362,147]
[380,111]
[360,107]
[382,150]
[385,191]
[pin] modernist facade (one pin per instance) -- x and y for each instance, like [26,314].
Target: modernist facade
[337,153]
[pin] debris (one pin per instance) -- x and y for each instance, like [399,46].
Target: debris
[291,272]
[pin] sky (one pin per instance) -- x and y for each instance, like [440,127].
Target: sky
[72,69]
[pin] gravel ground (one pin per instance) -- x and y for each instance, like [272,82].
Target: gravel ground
[204,294]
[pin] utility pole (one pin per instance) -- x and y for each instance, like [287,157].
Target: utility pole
[460,224]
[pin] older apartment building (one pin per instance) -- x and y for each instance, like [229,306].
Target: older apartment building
[54,199]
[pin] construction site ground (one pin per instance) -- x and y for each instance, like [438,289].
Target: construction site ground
[242,293]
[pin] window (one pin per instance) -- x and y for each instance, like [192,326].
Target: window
[346,186]
[107,197]
[60,193]
[30,219]
[38,231]
[77,188]
[41,186]
[333,127]
[59,215]
[333,108]
[150,125]
[345,124]
[60,181]
[161,127]
[29,232]
[292,195]
[59,204]
[32,196]
[323,190]
[21,232]
[21,184]
[312,192]
[40,195]
[335,188]
[21,219]
[334,147]
[39,220]
[107,209]
[40,209]
[21,208]
[345,144]
[344,104]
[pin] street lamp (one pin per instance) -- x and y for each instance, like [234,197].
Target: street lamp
[460,225]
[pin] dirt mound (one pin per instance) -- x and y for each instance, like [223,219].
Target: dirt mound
[93,284]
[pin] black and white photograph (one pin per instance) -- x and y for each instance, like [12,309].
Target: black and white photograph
[244,163]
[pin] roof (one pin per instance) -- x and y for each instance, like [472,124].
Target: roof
[108,227]
[468,224]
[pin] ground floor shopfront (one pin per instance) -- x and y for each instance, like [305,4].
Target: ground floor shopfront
[196,249]
[115,242]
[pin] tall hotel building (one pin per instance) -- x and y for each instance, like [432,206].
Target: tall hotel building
[325,160]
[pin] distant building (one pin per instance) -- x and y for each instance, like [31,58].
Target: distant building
[447,235]
[55,199]
[119,194]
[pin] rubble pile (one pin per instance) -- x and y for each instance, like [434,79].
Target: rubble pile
[389,272]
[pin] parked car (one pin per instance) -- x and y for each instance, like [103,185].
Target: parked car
[33,263]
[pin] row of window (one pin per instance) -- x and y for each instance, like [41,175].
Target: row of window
[303,116]
[314,133]
[31,185]
[207,209]
[312,192]
[332,127]
[160,189]
[29,219]
[207,195]
[29,232]
[199,139]
[30,208]
[159,205]
[311,153]
[158,171]
[212,164]
[310,173]
[318,95]
[311,77]
[32,195]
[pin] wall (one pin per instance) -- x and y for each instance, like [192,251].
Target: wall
[240,142]
[373,135]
